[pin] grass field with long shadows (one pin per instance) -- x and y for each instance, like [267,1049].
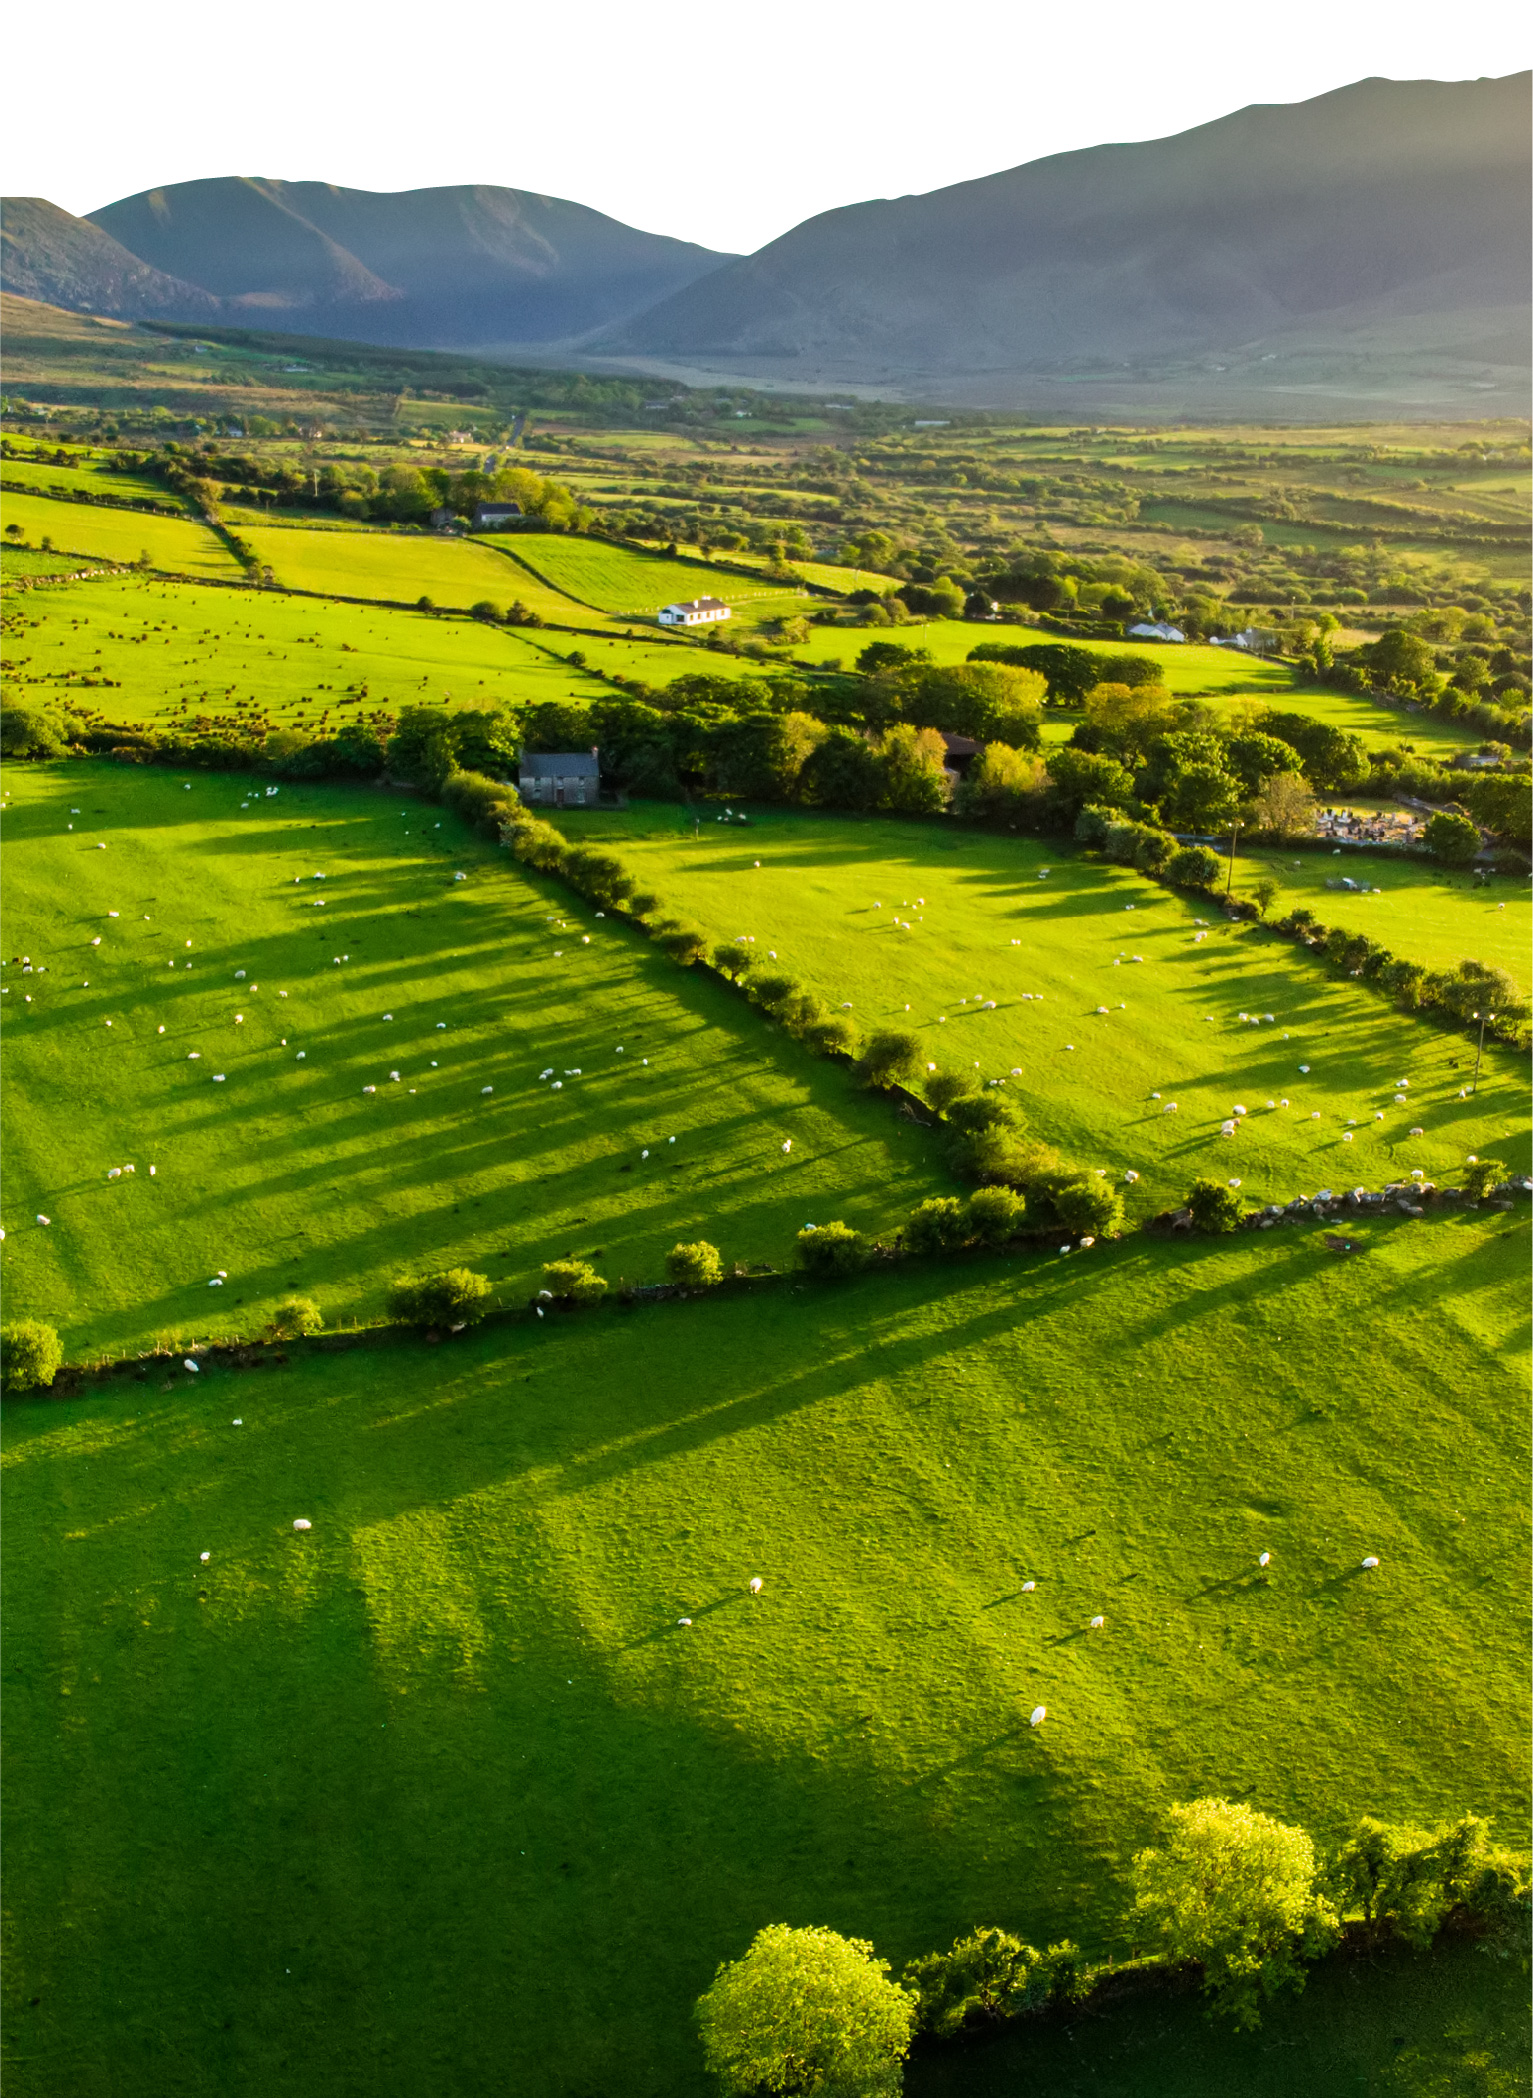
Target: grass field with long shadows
[833,895]
[441,1796]
[281,997]
[393,566]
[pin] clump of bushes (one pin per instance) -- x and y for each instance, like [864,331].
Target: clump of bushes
[943,1224]
[832,1249]
[575,1281]
[694,1266]
[1214,1206]
[1193,867]
[293,1318]
[683,943]
[451,1297]
[891,1057]
[1482,1176]
[488,804]
[30,1355]
[990,1976]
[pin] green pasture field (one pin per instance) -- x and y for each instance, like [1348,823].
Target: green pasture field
[20,564]
[992,926]
[453,572]
[290,659]
[181,545]
[552,606]
[288,1174]
[1426,912]
[443,1796]
[661,662]
[626,584]
[105,479]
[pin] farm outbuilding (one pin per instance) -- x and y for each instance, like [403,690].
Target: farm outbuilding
[560,779]
[496,517]
[697,611]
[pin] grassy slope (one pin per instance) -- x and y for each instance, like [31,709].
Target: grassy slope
[1426,912]
[453,572]
[287,1174]
[441,1797]
[813,899]
[296,655]
[181,546]
[104,479]
[627,584]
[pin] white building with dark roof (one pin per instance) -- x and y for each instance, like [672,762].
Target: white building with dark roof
[697,611]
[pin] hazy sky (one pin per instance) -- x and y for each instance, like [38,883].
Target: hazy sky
[713,122]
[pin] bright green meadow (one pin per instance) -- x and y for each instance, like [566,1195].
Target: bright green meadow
[182,546]
[921,926]
[443,1794]
[338,1079]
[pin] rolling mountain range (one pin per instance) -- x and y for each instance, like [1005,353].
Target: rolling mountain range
[424,268]
[1368,248]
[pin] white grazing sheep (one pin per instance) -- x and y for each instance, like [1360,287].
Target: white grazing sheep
[788,1145]
[152,1171]
[114,1173]
[487,1089]
[1370,1562]
[1130,1176]
[1282,1103]
[1226,1128]
[44,1220]
[302,1056]
[205,1557]
[685,1622]
[1304,1067]
[643,1154]
[218,1077]
[1232,1183]
[1040,1714]
[754,1584]
[188,1364]
[1097,1623]
[1028,1587]
[395,1076]
[369,1089]
[1265,1559]
[1237,1110]
[1169,1108]
[302,1523]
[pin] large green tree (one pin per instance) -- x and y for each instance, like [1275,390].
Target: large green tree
[1235,1891]
[806,2014]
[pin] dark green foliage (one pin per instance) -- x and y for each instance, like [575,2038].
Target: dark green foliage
[1407,1883]
[834,1035]
[891,1057]
[1070,672]
[1193,867]
[995,1214]
[683,943]
[1483,1175]
[452,1297]
[599,875]
[295,1317]
[485,803]
[731,958]
[695,1266]
[942,1088]
[575,1281]
[1085,1207]
[987,1977]
[1451,838]
[1214,1206]
[936,1225]
[1081,777]
[30,1355]
[1334,759]
[833,1249]
[536,843]
[31,732]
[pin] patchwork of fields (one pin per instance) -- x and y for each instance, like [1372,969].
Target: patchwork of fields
[330,1048]
[471,1786]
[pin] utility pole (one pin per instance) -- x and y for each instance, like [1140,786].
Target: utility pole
[1480,1050]
[1229,886]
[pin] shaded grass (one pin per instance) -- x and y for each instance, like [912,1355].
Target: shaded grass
[82,476]
[440,1796]
[1087,1080]
[287,1175]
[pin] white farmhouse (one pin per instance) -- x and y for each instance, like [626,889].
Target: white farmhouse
[697,611]
[1156,630]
